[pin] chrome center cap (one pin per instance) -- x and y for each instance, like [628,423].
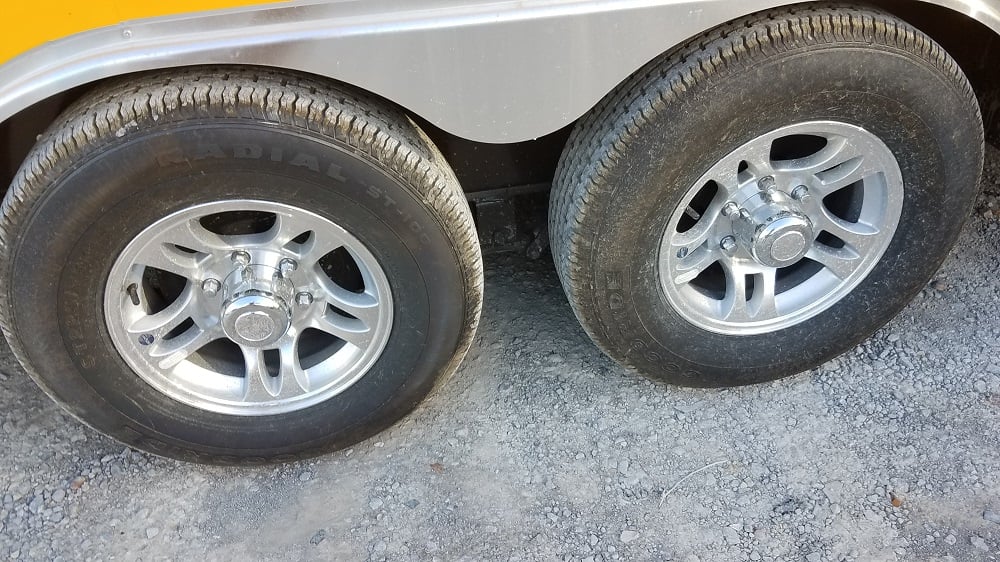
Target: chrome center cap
[255,320]
[773,229]
[788,246]
[782,241]
[257,310]
[254,326]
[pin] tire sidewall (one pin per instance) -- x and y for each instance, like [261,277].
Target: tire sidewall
[919,115]
[121,188]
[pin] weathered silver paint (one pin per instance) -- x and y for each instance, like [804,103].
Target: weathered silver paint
[495,72]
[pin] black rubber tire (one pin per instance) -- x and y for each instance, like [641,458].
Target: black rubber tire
[630,160]
[137,150]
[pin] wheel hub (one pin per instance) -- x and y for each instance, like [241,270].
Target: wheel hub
[781,228]
[774,229]
[256,311]
[248,323]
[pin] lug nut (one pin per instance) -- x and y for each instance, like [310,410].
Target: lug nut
[728,244]
[730,209]
[682,253]
[801,193]
[766,183]
[240,257]
[304,299]
[287,266]
[211,287]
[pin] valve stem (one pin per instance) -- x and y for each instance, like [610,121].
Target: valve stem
[133,293]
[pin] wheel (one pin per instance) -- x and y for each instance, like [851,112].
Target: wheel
[765,197]
[235,266]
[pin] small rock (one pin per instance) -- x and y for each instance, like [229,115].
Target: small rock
[950,539]
[411,503]
[991,516]
[731,536]
[979,543]
[152,532]
[59,495]
[305,476]
[318,537]
[77,483]
[375,503]
[814,557]
[628,536]
[381,546]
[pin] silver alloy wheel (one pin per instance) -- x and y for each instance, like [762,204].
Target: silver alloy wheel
[263,319]
[781,228]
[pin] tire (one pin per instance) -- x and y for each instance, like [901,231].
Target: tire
[637,180]
[244,159]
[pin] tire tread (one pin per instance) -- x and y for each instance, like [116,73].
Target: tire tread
[581,181]
[374,129]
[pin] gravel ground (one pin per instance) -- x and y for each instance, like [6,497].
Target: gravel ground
[541,448]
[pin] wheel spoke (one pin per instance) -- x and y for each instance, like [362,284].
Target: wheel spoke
[838,150]
[192,235]
[728,179]
[319,245]
[170,258]
[159,324]
[691,266]
[843,175]
[758,159]
[735,307]
[840,261]
[288,227]
[860,237]
[293,377]
[363,306]
[258,384]
[351,330]
[175,350]
[183,249]
[762,303]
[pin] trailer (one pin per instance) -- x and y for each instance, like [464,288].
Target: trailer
[241,232]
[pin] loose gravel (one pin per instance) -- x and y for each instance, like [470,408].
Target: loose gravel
[540,448]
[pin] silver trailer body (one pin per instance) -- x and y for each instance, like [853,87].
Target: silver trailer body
[494,72]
